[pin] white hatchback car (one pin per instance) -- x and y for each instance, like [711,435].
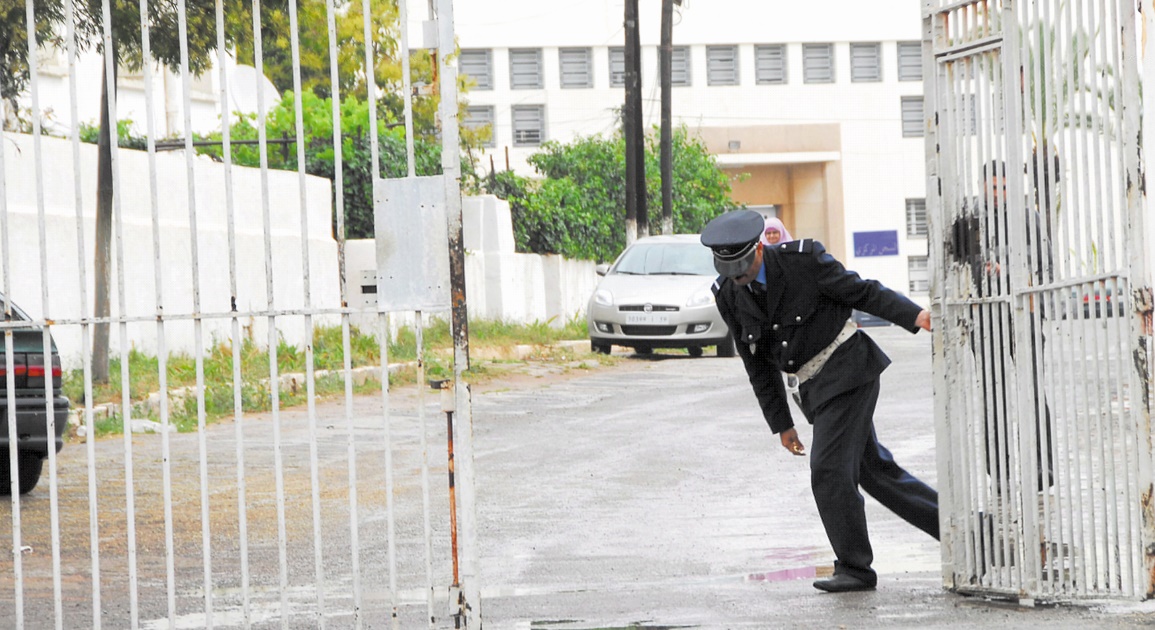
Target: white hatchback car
[657,295]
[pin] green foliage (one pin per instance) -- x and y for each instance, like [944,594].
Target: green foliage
[125,139]
[356,151]
[578,208]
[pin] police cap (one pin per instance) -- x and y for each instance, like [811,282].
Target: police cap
[734,238]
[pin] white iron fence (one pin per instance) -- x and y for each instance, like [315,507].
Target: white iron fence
[289,517]
[1041,297]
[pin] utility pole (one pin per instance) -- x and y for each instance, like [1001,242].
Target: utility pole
[665,57]
[636,219]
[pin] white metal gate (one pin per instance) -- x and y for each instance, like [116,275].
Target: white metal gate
[297,516]
[1041,297]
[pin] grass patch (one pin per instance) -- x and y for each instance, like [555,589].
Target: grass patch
[255,393]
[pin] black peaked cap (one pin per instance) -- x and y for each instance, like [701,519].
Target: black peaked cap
[732,233]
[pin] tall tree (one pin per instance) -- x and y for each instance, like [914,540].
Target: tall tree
[126,30]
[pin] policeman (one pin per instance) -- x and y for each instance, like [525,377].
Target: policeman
[788,307]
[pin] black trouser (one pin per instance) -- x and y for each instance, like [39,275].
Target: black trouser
[845,454]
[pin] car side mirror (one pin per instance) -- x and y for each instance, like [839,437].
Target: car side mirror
[602,269]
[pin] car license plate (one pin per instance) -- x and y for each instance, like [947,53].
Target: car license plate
[647,318]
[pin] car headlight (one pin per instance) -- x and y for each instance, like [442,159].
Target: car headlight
[604,297]
[701,298]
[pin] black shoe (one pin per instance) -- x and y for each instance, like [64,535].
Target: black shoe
[842,583]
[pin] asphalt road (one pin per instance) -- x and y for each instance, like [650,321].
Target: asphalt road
[648,494]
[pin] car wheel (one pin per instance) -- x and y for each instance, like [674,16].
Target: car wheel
[601,348]
[726,348]
[28,466]
[695,351]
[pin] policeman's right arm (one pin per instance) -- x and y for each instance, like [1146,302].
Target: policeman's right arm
[765,377]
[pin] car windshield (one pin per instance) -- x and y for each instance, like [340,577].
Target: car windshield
[654,259]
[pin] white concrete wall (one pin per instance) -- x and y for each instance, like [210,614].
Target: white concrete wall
[500,284]
[58,265]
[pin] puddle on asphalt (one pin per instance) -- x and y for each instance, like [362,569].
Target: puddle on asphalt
[781,575]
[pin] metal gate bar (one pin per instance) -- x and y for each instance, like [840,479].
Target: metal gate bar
[141,566]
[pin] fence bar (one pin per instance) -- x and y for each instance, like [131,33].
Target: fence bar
[427,526]
[162,355]
[314,473]
[85,328]
[347,358]
[469,604]
[390,496]
[10,400]
[46,340]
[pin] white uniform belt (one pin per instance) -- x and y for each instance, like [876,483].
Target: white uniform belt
[815,364]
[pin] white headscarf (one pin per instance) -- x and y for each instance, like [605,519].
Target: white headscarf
[772,223]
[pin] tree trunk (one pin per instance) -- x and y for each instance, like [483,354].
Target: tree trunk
[102,263]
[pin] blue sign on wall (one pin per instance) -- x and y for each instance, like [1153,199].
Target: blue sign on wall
[881,243]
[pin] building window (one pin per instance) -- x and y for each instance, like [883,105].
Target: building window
[576,67]
[722,65]
[912,122]
[478,64]
[617,67]
[865,62]
[770,64]
[528,125]
[818,63]
[916,218]
[919,274]
[680,66]
[525,69]
[478,118]
[910,61]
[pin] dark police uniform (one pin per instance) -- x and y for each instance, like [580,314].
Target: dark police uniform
[807,299]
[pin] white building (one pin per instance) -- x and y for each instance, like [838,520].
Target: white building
[815,108]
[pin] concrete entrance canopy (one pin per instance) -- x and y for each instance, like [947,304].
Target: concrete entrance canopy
[797,168]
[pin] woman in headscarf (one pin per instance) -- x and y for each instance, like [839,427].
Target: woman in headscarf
[775,232]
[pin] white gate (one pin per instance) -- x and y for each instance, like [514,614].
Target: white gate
[344,513]
[1041,297]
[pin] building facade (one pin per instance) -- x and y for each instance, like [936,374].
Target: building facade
[818,119]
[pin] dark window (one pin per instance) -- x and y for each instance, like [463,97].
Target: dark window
[770,64]
[722,65]
[525,69]
[528,125]
[918,269]
[617,67]
[910,61]
[818,63]
[680,66]
[478,64]
[576,67]
[865,62]
[912,121]
[916,218]
[479,117]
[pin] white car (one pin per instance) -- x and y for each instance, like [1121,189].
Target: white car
[657,295]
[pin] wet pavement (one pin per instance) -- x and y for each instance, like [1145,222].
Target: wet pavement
[644,494]
[653,495]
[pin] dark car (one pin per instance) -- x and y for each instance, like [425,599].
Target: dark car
[30,369]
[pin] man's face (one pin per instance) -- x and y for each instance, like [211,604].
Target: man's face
[752,272]
[996,190]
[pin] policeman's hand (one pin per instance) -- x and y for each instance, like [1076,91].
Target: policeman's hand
[923,320]
[791,442]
